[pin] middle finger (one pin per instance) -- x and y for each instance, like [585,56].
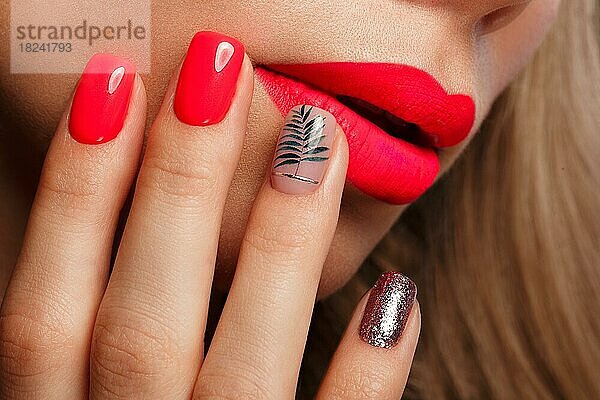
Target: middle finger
[148,337]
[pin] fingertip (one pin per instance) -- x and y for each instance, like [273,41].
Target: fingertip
[338,167]
[139,88]
[417,312]
[413,325]
[136,116]
[244,90]
[248,71]
[209,79]
[102,99]
[342,146]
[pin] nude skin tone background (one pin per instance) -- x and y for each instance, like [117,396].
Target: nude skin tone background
[443,37]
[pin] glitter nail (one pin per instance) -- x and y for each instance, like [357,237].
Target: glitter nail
[387,309]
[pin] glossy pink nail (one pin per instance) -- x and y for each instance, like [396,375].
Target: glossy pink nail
[208,78]
[101,100]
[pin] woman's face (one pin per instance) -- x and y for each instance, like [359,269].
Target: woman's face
[434,69]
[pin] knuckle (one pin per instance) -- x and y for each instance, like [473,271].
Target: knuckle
[129,351]
[274,236]
[68,193]
[177,178]
[242,374]
[358,382]
[31,346]
[70,187]
[223,385]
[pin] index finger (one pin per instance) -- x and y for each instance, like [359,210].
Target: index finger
[48,313]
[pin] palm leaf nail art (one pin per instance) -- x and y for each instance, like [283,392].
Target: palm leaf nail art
[301,142]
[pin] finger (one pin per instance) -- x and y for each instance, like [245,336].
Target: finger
[148,339]
[48,313]
[375,355]
[258,344]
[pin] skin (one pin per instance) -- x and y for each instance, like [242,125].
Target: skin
[481,66]
[125,348]
[69,328]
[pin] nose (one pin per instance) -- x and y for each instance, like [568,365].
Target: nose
[469,8]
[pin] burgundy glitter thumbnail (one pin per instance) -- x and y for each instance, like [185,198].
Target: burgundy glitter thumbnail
[387,309]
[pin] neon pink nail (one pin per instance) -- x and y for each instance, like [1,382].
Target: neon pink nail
[101,100]
[208,78]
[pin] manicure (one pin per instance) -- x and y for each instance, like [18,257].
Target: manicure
[208,78]
[302,150]
[101,100]
[388,307]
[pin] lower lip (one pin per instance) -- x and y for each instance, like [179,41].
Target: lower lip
[380,165]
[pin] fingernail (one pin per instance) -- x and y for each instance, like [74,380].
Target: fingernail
[208,78]
[387,309]
[302,150]
[101,99]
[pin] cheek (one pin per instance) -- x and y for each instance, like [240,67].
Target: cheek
[505,52]
[500,57]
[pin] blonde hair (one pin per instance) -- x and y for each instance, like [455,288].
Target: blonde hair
[505,248]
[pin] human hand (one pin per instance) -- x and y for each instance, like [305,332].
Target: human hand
[70,327]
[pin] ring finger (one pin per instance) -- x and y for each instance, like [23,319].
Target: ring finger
[257,347]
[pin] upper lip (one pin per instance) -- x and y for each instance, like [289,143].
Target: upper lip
[406,92]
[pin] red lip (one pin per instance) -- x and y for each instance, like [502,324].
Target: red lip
[381,165]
